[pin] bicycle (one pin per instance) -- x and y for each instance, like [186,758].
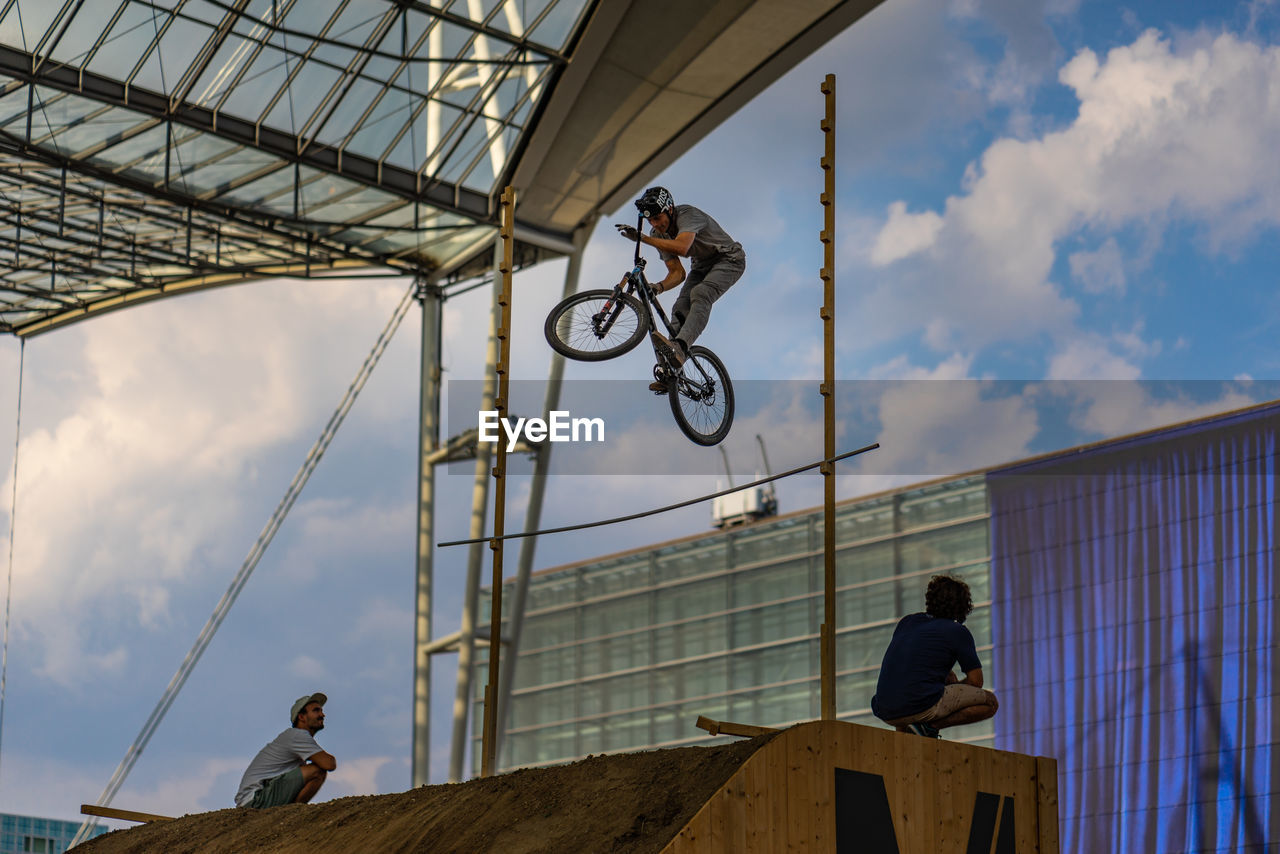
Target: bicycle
[595,325]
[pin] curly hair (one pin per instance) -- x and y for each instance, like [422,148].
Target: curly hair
[948,597]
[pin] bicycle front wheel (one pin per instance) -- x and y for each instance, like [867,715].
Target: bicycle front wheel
[702,398]
[594,325]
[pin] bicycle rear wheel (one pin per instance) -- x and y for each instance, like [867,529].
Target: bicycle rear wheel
[592,326]
[702,398]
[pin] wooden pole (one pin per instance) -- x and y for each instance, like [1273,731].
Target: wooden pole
[489,738]
[827,637]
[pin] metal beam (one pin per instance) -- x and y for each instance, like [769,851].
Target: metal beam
[45,322]
[494,33]
[428,440]
[567,83]
[274,227]
[398,180]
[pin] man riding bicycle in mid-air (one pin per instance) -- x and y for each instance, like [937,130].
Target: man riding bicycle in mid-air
[717,262]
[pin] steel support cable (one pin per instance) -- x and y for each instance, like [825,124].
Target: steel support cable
[13,514]
[250,562]
[658,510]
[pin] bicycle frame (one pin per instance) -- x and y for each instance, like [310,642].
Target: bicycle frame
[603,324]
[635,282]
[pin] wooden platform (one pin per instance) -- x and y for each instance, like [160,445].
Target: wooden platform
[827,787]
[835,787]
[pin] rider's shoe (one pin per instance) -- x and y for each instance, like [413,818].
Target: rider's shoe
[924,729]
[673,351]
[660,380]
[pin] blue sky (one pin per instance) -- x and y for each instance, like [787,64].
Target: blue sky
[1028,191]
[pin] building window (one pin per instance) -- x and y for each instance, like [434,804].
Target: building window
[38,845]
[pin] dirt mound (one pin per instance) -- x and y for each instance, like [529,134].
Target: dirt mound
[629,803]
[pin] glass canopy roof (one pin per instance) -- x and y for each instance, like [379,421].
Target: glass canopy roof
[152,146]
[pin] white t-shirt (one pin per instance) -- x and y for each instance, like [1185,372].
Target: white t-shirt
[286,751]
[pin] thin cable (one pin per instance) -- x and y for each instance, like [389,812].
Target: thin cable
[13,512]
[250,563]
[644,513]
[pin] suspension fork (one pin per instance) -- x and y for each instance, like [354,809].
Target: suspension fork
[604,318]
[610,306]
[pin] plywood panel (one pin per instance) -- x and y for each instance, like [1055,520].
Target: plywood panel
[1047,801]
[784,798]
[755,816]
[779,795]
[800,787]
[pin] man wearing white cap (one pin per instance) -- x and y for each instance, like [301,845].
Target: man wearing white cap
[292,767]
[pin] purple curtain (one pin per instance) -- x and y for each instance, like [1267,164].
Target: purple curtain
[1134,624]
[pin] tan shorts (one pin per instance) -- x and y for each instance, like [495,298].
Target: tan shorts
[954,698]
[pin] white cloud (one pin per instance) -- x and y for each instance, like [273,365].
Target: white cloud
[204,787]
[1092,357]
[54,788]
[1164,132]
[1118,408]
[1030,45]
[1188,130]
[954,367]
[1100,270]
[341,535]
[1096,356]
[904,234]
[939,421]
[1258,10]
[305,667]
[944,427]
[212,785]
[129,488]
[357,776]
[379,619]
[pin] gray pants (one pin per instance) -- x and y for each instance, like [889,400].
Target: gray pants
[692,307]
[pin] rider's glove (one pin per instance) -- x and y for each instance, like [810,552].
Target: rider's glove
[628,231]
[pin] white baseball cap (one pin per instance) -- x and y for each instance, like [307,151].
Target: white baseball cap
[301,703]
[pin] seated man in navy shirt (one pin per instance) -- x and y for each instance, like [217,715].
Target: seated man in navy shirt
[917,690]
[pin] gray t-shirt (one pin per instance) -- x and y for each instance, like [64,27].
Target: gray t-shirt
[711,243]
[286,751]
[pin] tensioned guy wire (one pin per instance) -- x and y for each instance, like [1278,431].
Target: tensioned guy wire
[658,510]
[13,513]
[250,563]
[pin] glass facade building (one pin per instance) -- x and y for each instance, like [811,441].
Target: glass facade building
[625,652]
[1126,615]
[24,834]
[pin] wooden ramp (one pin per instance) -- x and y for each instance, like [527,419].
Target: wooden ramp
[824,787]
[834,787]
